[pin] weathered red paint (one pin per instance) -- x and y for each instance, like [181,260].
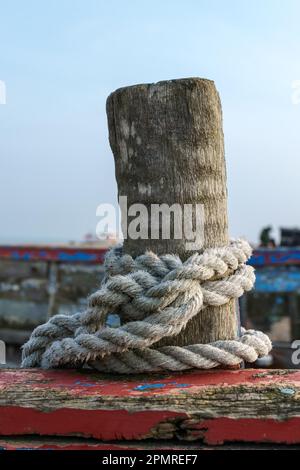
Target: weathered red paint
[120,425]
[99,424]
[83,399]
[221,430]
[89,383]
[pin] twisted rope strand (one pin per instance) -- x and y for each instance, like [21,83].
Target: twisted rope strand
[155,297]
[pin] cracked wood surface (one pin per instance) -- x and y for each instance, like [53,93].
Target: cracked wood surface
[210,407]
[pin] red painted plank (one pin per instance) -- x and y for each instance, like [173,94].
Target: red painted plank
[56,445]
[218,431]
[32,443]
[99,424]
[20,445]
[90,383]
[121,425]
[214,407]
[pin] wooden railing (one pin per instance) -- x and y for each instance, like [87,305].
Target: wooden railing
[48,253]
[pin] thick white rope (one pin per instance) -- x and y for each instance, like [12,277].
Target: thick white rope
[155,298]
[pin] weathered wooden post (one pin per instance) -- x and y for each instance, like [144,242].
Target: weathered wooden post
[168,145]
[167,142]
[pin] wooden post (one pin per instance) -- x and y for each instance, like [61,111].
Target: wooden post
[168,145]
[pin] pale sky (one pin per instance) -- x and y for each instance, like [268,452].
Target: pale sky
[60,60]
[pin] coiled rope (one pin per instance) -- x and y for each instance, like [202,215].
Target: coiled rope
[155,297]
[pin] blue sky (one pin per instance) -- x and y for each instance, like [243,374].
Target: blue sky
[60,59]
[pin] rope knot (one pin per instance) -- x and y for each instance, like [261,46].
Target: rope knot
[155,297]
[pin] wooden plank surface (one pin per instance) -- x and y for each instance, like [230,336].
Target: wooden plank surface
[213,407]
[74,443]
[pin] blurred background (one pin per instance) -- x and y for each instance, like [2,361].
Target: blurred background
[59,60]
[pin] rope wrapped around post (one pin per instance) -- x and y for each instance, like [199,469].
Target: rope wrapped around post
[155,297]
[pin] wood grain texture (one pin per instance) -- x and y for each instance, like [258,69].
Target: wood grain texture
[168,145]
[211,407]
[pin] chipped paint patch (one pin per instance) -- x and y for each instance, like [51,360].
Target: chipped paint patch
[287,391]
[148,387]
[153,386]
[271,373]
[84,384]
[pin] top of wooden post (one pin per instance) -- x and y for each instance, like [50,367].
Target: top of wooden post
[167,141]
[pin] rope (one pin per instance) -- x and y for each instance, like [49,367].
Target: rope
[155,298]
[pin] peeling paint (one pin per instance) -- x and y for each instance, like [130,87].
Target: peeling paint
[287,391]
[107,407]
[85,384]
[149,386]
[153,386]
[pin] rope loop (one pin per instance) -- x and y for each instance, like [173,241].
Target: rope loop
[155,297]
